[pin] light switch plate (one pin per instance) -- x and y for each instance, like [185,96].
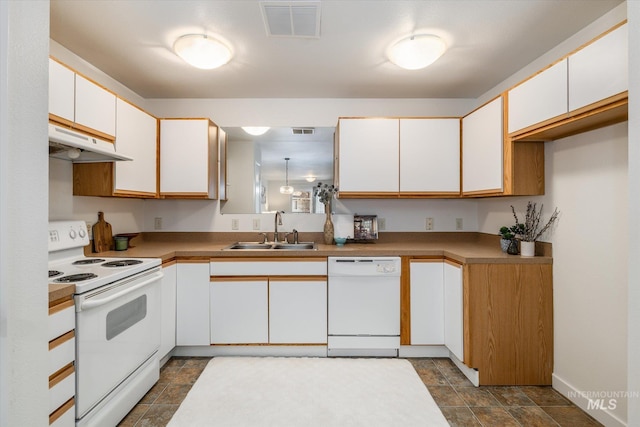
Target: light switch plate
[256,223]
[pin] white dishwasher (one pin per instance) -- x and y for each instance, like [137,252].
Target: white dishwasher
[363,306]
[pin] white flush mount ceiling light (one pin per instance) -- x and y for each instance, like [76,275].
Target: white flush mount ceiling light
[202,51]
[256,130]
[417,51]
[286,188]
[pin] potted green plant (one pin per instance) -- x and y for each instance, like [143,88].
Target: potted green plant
[532,228]
[506,235]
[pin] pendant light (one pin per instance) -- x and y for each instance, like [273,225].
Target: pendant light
[286,189]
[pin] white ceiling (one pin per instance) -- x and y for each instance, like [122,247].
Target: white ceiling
[488,41]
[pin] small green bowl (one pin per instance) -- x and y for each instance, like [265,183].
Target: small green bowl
[340,241]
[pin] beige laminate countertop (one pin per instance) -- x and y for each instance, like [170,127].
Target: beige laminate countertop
[466,248]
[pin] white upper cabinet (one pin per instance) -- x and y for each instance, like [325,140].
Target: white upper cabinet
[368,155]
[81,102]
[600,69]
[136,136]
[188,158]
[62,81]
[95,106]
[540,98]
[430,155]
[482,149]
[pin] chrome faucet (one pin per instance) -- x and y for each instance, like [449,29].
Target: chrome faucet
[277,221]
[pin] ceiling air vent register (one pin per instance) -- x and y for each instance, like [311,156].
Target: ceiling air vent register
[291,18]
[303,131]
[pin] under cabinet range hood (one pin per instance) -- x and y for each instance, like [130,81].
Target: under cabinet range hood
[67,144]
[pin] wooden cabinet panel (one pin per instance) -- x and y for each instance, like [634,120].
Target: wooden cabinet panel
[427,302]
[239,311]
[368,156]
[430,156]
[482,149]
[508,322]
[95,107]
[600,69]
[540,98]
[188,158]
[192,303]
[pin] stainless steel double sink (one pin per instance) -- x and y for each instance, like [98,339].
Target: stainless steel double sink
[257,246]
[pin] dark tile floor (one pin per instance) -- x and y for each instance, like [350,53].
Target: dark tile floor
[460,402]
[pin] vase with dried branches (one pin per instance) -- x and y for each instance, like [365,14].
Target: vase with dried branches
[532,228]
[326,193]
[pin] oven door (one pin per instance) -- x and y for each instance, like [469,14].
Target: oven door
[118,329]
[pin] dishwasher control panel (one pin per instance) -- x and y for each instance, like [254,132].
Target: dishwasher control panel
[363,266]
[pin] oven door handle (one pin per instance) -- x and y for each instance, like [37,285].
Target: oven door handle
[92,303]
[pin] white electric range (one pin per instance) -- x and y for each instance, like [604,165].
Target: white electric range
[117,303]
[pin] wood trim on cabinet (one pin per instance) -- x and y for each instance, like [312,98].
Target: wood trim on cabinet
[60,375]
[366,195]
[169,262]
[67,303]
[53,417]
[192,260]
[81,128]
[184,196]
[269,259]
[62,339]
[405,300]
[238,278]
[297,278]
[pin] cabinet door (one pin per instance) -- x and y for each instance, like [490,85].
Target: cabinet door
[540,98]
[222,164]
[168,313]
[298,311]
[136,136]
[239,311]
[430,155]
[95,107]
[188,159]
[482,149]
[453,310]
[368,155]
[427,302]
[599,70]
[61,91]
[192,304]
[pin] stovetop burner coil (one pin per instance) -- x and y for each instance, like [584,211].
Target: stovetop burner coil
[88,261]
[54,273]
[76,278]
[122,263]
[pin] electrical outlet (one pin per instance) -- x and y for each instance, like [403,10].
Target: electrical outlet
[459,224]
[157,223]
[428,225]
[89,230]
[256,223]
[382,224]
[235,224]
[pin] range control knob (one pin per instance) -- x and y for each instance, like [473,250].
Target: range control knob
[82,233]
[72,233]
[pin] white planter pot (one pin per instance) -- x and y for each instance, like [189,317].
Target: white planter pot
[528,248]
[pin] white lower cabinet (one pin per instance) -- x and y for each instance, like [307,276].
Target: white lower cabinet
[239,311]
[453,311]
[62,386]
[168,313]
[192,303]
[298,311]
[427,302]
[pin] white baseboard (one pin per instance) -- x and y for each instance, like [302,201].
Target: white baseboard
[582,401]
[471,374]
[252,350]
[423,351]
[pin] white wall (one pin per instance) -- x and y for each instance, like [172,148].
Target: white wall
[633,374]
[23,213]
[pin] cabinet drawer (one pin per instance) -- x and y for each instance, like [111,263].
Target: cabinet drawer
[62,388]
[62,319]
[62,351]
[260,267]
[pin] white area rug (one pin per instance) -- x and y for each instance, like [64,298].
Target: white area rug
[308,392]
